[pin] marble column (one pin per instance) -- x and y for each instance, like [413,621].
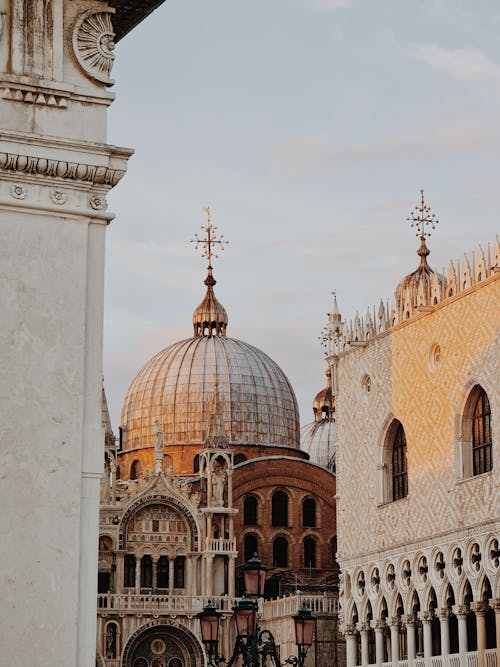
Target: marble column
[171,565]
[231,587]
[444,626]
[410,623]
[426,618]
[378,627]
[350,645]
[209,577]
[460,612]
[479,608]
[394,626]
[495,604]
[154,582]
[119,574]
[138,575]
[363,629]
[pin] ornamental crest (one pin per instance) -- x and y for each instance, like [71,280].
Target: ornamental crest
[93,44]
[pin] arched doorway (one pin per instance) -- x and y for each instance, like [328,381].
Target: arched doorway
[162,646]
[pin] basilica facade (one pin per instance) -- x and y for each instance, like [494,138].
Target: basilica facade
[208,471]
[418,511]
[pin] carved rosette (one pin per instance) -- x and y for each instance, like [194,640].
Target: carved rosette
[93,44]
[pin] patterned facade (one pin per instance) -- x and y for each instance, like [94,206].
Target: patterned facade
[420,561]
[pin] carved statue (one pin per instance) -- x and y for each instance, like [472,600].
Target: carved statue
[218,480]
[160,438]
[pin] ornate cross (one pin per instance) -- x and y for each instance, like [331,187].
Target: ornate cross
[208,241]
[421,217]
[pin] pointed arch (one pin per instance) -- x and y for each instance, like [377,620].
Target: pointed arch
[395,463]
[476,434]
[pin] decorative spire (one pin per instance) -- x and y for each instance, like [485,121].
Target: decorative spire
[323,403]
[421,219]
[210,317]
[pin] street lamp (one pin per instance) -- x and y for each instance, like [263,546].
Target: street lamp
[253,644]
[254,575]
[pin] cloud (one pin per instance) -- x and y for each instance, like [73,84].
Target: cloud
[327,5]
[466,63]
[313,152]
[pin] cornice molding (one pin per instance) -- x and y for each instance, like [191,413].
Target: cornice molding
[73,171]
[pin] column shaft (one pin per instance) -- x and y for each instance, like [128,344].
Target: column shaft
[138,575]
[394,643]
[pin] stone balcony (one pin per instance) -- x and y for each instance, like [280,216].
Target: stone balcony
[321,605]
[159,604]
[221,546]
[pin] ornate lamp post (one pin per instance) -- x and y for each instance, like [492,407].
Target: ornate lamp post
[254,645]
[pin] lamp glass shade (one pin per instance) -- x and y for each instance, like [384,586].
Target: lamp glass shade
[254,574]
[209,623]
[304,627]
[245,615]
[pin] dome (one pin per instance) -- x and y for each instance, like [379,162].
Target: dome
[177,387]
[318,440]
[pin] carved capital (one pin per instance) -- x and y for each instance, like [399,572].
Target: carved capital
[394,622]
[479,608]
[460,610]
[425,616]
[378,625]
[409,620]
[362,627]
[349,630]
[495,604]
[444,614]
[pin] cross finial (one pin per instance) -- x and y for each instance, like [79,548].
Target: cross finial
[421,218]
[209,240]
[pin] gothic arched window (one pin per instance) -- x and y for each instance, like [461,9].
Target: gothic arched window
[129,571]
[146,572]
[162,572]
[309,513]
[399,464]
[196,463]
[309,552]
[279,514]
[179,567]
[250,511]
[251,545]
[481,435]
[280,552]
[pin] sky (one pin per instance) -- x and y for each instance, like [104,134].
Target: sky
[308,127]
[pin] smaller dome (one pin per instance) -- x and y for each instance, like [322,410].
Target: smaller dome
[414,290]
[318,440]
[323,403]
[210,317]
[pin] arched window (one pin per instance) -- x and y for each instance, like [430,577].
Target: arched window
[179,564]
[250,511]
[279,514]
[481,435]
[162,572]
[309,513]
[309,552]
[146,572]
[280,552]
[129,571]
[196,463]
[399,465]
[239,458]
[135,469]
[251,546]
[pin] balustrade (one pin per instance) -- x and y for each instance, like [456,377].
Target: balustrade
[469,659]
[161,603]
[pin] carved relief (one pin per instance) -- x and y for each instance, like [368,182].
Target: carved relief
[93,44]
[71,170]
[58,196]
[97,203]
[18,191]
